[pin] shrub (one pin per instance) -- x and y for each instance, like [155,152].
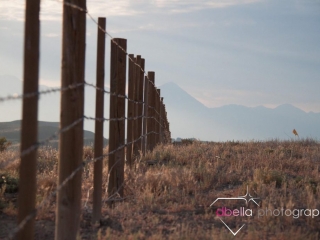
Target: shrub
[4,144]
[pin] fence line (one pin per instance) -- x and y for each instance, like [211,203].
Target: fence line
[142,117]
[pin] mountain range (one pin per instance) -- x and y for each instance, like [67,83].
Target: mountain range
[188,117]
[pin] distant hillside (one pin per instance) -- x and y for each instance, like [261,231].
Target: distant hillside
[11,131]
[49,104]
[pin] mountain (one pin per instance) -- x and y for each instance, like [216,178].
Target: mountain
[178,97]
[11,131]
[189,118]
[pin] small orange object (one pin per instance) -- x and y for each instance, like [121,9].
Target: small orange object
[295,132]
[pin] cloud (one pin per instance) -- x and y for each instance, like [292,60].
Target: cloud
[12,10]
[176,6]
[51,10]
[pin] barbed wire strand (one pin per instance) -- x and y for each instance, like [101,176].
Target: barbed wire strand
[113,94]
[112,119]
[74,86]
[33,94]
[121,119]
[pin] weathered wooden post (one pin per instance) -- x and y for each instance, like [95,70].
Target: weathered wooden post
[72,109]
[161,120]
[150,124]
[140,105]
[117,110]
[130,110]
[98,137]
[136,133]
[157,129]
[29,124]
[145,115]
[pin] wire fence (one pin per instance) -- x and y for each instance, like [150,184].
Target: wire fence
[146,112]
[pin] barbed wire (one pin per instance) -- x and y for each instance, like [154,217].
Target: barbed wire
[111,37]
[72,125]
[47,140]
[69,178]
[112,119]
[33,94]
[113,94]
[28,95]
[73,86]
[121,119]
[56,134]
[122,96]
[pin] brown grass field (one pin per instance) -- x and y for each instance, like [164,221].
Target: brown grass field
[169,191]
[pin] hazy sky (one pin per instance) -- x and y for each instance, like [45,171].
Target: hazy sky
[248,52]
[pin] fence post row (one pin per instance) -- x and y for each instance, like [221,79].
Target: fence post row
[72,110]
[117,111]
[147,123]
[98,137]
[29,124]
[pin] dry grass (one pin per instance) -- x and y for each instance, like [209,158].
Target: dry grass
[169,191]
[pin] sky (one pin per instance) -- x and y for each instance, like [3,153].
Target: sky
[246,52]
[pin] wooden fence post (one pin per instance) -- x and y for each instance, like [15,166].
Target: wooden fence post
[168,140]
[29,124]
[145,116]
[140,105]
[130,109]
[117,110]
[150,124]
[98,137]
[161,120]
[72,109]
[168,134]
[157,116]
[136,133]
